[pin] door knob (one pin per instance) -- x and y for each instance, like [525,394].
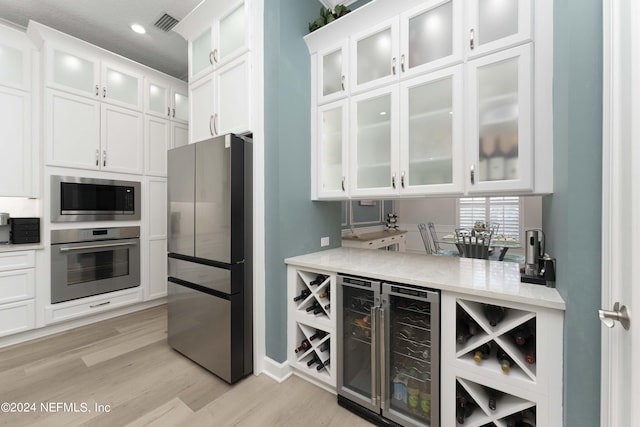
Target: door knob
[619,313]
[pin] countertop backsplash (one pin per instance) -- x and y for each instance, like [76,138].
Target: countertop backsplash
[20,207]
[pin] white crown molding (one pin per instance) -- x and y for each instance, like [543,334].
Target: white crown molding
[333,3]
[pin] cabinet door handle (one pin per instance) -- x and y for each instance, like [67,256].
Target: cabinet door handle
[100,304]
[393,65]
[215,123]
[402,180]
[173,114]
[393,181]
[104,158]
[472,171]
[215,56]
[211,125]
[342,82]
[97,90]
[211,57]
[471,38]
[104,92]
[402,63]
[97,157]
[168,111]
[343,184]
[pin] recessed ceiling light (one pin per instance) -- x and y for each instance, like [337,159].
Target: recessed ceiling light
[138,28]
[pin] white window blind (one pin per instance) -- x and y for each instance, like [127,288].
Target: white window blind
[503,210]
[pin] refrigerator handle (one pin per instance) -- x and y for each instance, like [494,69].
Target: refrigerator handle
[374,357]
[383,361]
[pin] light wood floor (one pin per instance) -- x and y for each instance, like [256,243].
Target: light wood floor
[125,363]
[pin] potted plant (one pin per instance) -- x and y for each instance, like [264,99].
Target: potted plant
[327,15]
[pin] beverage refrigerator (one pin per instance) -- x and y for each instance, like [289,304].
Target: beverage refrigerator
[388,351]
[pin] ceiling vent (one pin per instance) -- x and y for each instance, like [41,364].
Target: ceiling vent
[166,22]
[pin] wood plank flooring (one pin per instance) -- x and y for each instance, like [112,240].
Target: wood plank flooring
[121,372]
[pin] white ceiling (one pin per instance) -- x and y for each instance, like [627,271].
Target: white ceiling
[106,23]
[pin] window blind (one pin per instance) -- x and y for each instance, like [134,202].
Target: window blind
[505,210]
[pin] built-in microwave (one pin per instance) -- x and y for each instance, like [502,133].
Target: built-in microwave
[91,199]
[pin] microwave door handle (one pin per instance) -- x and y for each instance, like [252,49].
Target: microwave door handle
[110,245]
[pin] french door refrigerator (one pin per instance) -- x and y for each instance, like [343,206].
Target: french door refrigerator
[210,245]
[388,351]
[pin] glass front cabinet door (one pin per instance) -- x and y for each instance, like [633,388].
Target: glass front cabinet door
[497,24]
[500,122]
[431,133]
[374,56]
[332,72]
[374,142]
[332,151]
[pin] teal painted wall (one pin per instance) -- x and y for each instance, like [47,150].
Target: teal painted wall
[572,215]
[294,224]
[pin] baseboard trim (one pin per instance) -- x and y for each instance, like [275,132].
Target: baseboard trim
[275,370]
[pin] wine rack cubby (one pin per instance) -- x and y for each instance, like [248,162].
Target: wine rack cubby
[310,315]
[503,350]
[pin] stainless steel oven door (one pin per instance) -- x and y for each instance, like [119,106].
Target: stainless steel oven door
[83,269]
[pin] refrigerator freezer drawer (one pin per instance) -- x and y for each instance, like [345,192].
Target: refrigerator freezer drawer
[224,280]
[201,328]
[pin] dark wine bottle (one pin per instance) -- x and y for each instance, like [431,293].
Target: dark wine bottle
[305,344]
[462,331]
[318,310]
[494,313]
[324,346]
[521,333]
[326,307]
[318,334]
[303,294]
[464,405]
[506,362]
[322,365]
[472,326]
[482,352]
[530,351]
[314,359]
[313,307]
[492,397]
[318,280]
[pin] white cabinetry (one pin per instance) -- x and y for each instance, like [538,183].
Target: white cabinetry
[531,379]
[17,291]
[166,99]
[333,154]
[84,133]
[157,244]
[311,336]
[423,116]
[15,114]
[219,69]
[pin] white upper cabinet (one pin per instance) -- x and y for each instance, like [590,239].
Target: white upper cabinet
[497,24]
[225,38]
[332,73]
[15,59]
[84,73]
[167,99]
[232,95]
[15,137]
[202,100]
[332,150]
[499,120]
[374,56]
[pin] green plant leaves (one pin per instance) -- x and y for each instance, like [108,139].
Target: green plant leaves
[327,16]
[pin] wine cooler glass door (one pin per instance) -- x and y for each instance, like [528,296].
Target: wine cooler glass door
[410,387]
[358,376]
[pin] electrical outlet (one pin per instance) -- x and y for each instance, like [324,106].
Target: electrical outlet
[324,241]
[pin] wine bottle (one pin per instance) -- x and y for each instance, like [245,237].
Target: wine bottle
[314,359]
[506,362]
[492,397]
[318,310]
[464,405]
[313,307]
[530,351]
[462,332]
[324,294]
[305,344]
[318,280]
[322,365]
[324,347]
[482,352]
[494,313]
[472,326]
[521,333]
[326,307]
[303,294]
[318,334]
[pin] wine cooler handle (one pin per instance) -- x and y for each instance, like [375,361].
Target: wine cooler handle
[374,356]
[383,362]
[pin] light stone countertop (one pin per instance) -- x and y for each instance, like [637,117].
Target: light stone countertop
[491,279]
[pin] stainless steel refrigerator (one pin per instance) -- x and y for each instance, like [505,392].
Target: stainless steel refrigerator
[210,245]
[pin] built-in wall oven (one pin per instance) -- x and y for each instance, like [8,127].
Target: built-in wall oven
[92,261]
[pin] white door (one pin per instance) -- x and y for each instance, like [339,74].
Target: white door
[157,139]
[202,109]
[15,134]
[232,95]
[122,140]
[621,211]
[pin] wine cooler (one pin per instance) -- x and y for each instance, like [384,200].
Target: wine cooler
[388,351]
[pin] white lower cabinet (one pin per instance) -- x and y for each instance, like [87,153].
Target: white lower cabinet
[311,335]
[17,291]
[157,235]
[92,305]
[157,269]
[494,360]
